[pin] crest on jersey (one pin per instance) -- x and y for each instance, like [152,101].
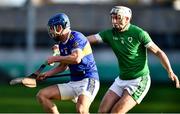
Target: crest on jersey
[71,36]
[75,45]
[130,39]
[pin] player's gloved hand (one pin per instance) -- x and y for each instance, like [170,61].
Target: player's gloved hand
[56,52]
[55,49]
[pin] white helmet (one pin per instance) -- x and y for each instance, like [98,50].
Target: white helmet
[121,11]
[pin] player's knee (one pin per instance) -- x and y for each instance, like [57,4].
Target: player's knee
[40,96]
[82,109]
[119,110]
[102,110]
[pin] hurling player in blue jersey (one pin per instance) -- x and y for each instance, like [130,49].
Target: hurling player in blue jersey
[75,54]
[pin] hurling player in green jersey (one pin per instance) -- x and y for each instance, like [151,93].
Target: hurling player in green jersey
[130,44]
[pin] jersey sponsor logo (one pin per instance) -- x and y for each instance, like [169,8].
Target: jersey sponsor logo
[121,39]
[130,39]
[115,38]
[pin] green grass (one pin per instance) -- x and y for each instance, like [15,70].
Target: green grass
[19,99]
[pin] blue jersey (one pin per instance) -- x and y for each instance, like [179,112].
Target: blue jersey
[87,67]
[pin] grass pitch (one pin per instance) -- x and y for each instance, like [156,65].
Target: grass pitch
[19,99]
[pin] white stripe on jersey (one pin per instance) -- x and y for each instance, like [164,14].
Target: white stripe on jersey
[98,38]
[149,44]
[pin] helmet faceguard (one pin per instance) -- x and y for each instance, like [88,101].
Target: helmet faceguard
[55,22]
[52,30]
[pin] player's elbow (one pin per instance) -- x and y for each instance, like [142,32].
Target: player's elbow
[92,39]
[77,60]
[160,53]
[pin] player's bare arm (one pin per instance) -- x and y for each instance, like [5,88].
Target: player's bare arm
[92,39]
[165,62]
[60,68]
[74,58]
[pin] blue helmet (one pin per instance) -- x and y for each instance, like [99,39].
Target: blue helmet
[59,19]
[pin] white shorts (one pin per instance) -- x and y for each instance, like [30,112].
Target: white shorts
[137,88]
[72,89]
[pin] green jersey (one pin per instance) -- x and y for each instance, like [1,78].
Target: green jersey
[129,47]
